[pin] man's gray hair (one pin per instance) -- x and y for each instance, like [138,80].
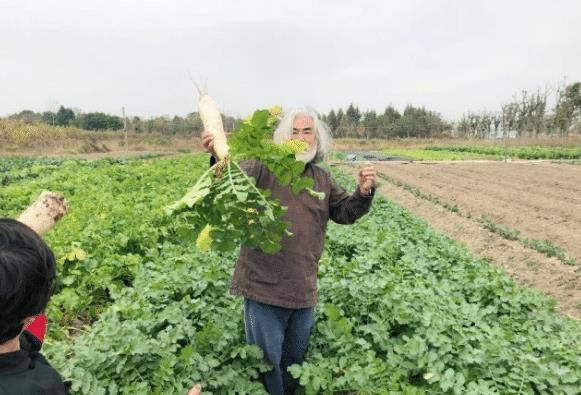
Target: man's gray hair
[284,130]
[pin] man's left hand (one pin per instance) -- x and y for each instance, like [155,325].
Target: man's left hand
[366,180]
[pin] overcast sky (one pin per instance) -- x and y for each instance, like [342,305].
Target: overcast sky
[450,56]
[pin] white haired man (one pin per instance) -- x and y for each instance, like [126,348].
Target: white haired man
[280,290]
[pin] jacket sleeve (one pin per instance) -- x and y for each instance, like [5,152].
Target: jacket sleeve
[345,208]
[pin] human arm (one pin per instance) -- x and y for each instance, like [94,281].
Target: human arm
[345,208]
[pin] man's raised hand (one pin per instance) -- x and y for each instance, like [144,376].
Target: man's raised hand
[208,142]
[366,180]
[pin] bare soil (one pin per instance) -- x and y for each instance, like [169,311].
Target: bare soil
[542,200]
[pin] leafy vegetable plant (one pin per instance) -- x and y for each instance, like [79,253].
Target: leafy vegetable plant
[225,208]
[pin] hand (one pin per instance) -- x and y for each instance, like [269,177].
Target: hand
[208,142]
[196,390]
[366,180]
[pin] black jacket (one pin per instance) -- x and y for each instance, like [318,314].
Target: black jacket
[27,372]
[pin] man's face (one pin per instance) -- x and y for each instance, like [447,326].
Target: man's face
[304,130]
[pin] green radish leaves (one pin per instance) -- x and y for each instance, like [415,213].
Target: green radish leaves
[254,141]
[226,200]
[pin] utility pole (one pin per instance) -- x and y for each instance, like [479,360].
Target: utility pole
[125,130]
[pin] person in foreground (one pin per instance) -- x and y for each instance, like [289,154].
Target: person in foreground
[280,290]
[27,277]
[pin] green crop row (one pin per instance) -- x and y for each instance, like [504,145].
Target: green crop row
[517,152]
[427,154]
[402,310]
[116,207]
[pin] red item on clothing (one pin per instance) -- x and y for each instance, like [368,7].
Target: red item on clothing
[38,327]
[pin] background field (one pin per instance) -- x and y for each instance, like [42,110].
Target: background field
[18,138]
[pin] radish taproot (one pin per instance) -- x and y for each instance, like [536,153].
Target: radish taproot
[45,212]
[212,120]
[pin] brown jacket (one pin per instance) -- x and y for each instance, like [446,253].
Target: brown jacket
[289,277]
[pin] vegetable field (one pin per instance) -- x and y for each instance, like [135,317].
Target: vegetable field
[522,216]
[458,153]
[429,155]
[518,152]
[402,309]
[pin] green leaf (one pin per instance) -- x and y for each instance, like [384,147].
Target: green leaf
[284,178]
[260,118]
[241,196]
[302,183]
[315,194]
[447,380]
[297,168]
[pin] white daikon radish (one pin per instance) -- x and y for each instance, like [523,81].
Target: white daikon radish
[212,120]
[43,214]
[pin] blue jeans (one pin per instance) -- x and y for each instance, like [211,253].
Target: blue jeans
[283,336]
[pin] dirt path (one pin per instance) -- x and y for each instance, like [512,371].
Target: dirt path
[466,185]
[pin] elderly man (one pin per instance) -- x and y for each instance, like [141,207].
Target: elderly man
[280,290]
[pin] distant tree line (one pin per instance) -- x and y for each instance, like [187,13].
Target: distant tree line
[69,117]
[524,115]
[413,122]
[528,115]
[98,121]
[190,124]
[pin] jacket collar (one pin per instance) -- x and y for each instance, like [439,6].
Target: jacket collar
[14,362]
